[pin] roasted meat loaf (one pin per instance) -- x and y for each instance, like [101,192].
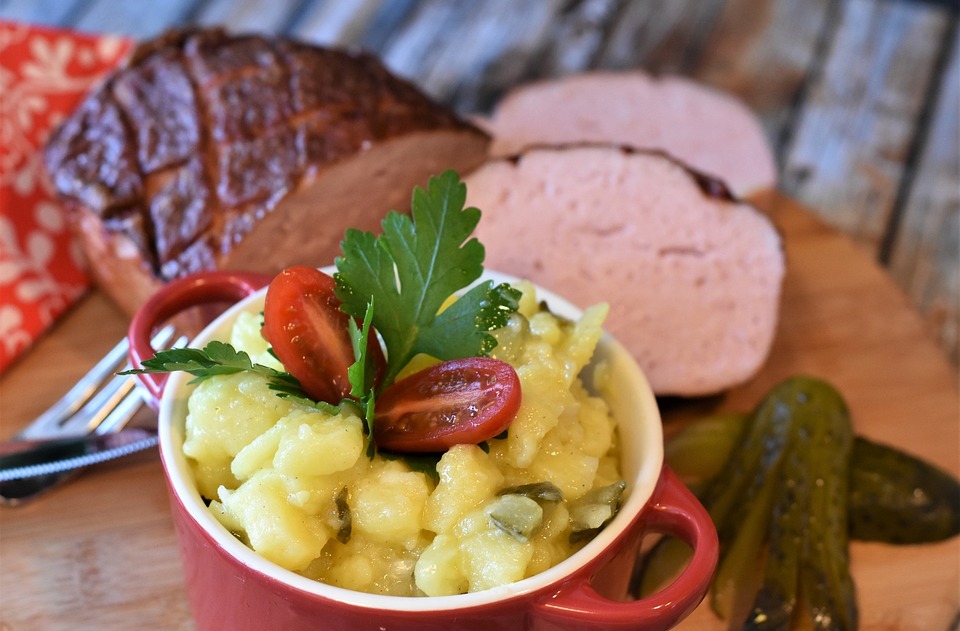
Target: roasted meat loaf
[208,150]
[707,129]
[692,276]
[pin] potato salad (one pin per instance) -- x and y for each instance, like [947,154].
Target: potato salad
[295,483]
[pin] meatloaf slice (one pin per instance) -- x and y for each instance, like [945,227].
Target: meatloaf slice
[692,277]
[209,150]
[709,130]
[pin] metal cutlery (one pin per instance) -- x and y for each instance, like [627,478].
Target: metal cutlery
[86,426]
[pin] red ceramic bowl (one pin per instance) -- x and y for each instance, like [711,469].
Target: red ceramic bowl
[231,588]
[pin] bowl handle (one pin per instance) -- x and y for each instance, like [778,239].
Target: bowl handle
[672,510]
[176,296]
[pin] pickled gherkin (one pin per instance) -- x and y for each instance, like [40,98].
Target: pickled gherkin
[894,497]
[699,452]
[787,487]
[738,570]
[808,529]
[898,498]
[740,496]
[743,478]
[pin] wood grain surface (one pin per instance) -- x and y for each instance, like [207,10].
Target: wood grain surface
[858,98]
[100,553]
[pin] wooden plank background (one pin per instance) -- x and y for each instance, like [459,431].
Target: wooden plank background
[859,98]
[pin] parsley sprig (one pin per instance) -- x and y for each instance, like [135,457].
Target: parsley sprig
[220,358]
[413,268]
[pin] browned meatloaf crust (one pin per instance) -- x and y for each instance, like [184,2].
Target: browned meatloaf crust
[210,150]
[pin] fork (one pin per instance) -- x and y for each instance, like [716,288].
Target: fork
[83,427]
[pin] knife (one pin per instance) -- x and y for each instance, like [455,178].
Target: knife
[29,467]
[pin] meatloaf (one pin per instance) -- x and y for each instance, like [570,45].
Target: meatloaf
[208,150]
[692,276]
[712,131]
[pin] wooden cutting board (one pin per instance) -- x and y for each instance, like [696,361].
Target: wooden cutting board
[100,553]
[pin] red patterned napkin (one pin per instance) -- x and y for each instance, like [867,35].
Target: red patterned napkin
[44,73]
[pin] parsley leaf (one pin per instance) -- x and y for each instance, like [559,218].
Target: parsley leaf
[220,358]
[216,358]
[413,268]
[368,409]
[361,372]
[462,327]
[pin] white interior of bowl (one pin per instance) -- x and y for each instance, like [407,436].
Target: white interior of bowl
[641,439]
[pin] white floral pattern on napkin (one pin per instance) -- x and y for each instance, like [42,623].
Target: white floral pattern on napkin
[44,73]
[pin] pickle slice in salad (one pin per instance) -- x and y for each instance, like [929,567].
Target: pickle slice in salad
[516,515]
[593,511]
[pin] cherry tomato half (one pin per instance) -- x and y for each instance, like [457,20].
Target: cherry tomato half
[308,332]
[457,401]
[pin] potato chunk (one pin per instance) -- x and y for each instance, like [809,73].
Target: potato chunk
[314,443]
[438,571]
[245,336]
[491,557]
[275,529]
[467,479]
[224,415]
[388,505]
[566,466]
[597,427]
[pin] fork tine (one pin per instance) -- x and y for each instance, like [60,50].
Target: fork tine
[116,416]
[122,413]
[49,422]
[113,406]
[78,411]
[89,417]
